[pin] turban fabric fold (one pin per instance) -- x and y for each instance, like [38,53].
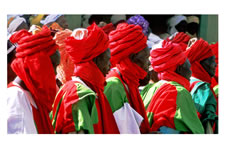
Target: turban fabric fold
[34,67]
[165,61]
[92,45]
[108,28]
[125,40]
[181,39]
[66,66]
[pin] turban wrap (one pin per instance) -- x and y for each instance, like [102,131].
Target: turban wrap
[165,61]
[139,20]
[66,66]
[108,28]
[173,21]
[181,39]
[199,51]
[34,67]
[83,46]
[123,41]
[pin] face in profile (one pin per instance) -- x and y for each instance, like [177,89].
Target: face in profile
[55,59]
[62,22]
[185,70]
[142,59]
[182,26]
[209,65]
[103,62]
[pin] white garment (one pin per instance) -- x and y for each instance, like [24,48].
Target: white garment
[173,21]
[128,120]
[20,117]
[153,39]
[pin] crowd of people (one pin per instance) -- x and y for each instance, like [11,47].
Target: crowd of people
[110,76]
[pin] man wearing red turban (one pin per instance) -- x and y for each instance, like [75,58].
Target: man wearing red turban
[169,106]
[31,94]
[81,106]
[203,67]
[130,58]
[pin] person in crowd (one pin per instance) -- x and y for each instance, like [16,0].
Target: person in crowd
[80,105]
[169,105]
[129,57]
[31,94]
[192,26]
[58,18]
[203,67]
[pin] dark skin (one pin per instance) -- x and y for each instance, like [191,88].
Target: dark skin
[141,59]
[103,62]
[184,70]
[182,26]
[192,28]
[61,21]
[209,65]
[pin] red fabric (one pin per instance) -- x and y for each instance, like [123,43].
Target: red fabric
[34,67]
[108,28]
[163,106]
[131,73]
[214,48]
[89,47]
[165,61]
[181,39]
[123,41]
[64,120]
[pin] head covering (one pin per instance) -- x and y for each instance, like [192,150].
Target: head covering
[192,19]
[108,28]
[117,18]
[50,18]
[165,61]
[125,40]
[83,46]
[55,26]
[66,66]
[34,67]
[141,21]
[17,24]
[180,38]
[153,40]
[173,21]
[198,51]
[86,44]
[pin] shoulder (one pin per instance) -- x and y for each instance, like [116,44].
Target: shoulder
[114,84]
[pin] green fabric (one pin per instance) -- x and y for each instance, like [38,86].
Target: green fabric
[205,101]
[115,93]
[186,118]
[84,111]
[148,92]
[216,89]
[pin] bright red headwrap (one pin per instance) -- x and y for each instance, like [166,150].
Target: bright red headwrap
[181,39]
[125,40]
[199,51]
[89,47]
[34,67]
[165,61]
[108,28]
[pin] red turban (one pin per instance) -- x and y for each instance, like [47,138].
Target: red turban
[108,28]
[66,66]
[34,67]
[125,40]
[84,50]
[167,58]
[165,61]
[199,51]
[182,39]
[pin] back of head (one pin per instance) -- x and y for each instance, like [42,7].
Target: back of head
[85,44]
[141,21]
